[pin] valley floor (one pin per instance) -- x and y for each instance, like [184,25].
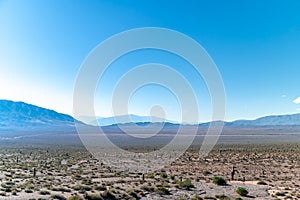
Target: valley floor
[69,172]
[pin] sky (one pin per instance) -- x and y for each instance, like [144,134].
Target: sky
[254,44]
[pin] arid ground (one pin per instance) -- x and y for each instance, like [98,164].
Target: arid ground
[266,171]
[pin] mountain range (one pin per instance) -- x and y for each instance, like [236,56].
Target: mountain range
[126,119]
[23,116]
[275,120]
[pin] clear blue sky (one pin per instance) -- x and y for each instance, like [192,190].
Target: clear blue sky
[255,44]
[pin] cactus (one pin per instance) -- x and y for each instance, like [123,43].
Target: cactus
[233,172]
[34,172]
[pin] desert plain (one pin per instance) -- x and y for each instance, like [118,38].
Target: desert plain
[55,169]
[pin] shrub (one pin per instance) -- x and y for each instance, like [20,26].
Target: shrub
[98,187]
[219,181]
[87,182]
[58,197]
[162,191]
[82,187]
[149,176]
[261,183]
[196,197]
[44,192]
[163,175]
[7,189]
[132,193]
[108,195]
[93,197]
[75,197]
[222,197]
[241,191]
[206,173]
[61,189]
[280,194]
[209,197]
[148,188]
[187,184]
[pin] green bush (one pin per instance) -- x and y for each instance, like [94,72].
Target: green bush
[75,197]
[187,184]
[241,191]
[196,197]
[132,193]
[222,197]
[98,187]
[82,187]
[149,176]
[261,183]
[87,182]
[163,175]
[162,190]
[93,197]
[219,181]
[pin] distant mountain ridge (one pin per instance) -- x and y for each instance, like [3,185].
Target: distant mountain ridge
[275,120]
[23,116]
[127,119]
[20,115]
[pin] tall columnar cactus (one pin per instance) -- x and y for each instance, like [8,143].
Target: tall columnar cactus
[34,172]
[233,172]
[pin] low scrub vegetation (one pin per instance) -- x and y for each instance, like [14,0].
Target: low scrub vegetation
[219,181]
[242,191]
